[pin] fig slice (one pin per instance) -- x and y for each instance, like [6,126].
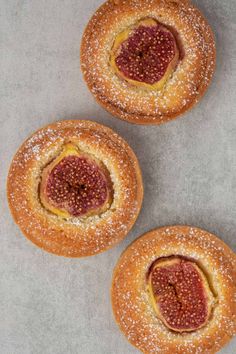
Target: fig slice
[145,55]
[75,184]
[180,294]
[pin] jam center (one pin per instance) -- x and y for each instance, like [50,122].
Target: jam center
[75,185]
[180,294]
[146,54]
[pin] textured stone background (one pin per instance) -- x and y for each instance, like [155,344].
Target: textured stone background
[52,305]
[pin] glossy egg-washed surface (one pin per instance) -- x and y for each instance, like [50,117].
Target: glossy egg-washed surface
[145,54]
[138,312]
[180,294]
[112,30]
[81,218]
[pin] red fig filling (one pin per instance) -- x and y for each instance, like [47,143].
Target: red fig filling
[146,54]
[181,294]
[77,185]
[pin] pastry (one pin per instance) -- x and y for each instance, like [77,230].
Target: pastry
[174,291]
[147,61]
[75,188]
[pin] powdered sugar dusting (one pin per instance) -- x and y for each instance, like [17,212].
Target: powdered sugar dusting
[131,302]
[186,85]
[74,236]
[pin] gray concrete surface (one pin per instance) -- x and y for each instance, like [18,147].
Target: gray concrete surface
[52,305]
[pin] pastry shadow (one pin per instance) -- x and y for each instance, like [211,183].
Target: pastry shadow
[217,17]
[145,147]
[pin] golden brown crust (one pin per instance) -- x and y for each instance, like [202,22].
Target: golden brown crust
[188,83]
[75,237]
[134,312]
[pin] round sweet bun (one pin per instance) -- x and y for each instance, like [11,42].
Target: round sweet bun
[134,311]
[75,235]
[184,87]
